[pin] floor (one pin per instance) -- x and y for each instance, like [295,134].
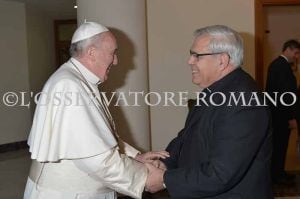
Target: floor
[292,191]
[14,168]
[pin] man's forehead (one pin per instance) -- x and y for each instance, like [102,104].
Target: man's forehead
[295,50]
[201,42]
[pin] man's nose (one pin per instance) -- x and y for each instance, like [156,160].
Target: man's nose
[191,60]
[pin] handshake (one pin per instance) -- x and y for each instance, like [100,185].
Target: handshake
[156,169]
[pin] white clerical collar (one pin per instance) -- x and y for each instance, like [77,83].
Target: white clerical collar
[285,58]
[87,74]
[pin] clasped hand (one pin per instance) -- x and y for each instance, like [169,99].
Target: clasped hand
[156,169]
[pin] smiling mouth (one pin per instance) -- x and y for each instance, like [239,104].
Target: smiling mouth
[194,71]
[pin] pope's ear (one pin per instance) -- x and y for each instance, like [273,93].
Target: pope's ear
[91,52]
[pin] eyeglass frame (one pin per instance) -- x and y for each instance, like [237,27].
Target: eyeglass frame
[197,55]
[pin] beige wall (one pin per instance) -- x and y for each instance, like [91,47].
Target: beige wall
[127,20]
[14,121]
[28,59]
[41,44]
[170,27]
[41,52]
[170,24]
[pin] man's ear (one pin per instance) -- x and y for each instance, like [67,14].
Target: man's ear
[224,60]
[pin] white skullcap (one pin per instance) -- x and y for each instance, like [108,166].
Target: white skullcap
[87,30]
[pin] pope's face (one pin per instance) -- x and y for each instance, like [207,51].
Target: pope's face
[105,55]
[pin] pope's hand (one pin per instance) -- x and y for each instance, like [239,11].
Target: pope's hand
[148,157]
[155,179]
[159,164]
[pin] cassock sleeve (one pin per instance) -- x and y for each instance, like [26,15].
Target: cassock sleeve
[116,171]
[127,148]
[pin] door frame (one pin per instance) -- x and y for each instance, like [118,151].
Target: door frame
[59,44]
[260,6]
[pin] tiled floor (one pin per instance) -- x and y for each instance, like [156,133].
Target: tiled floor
[14,168]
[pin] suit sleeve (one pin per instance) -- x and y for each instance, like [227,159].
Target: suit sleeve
[174,150]
[116,171]
[238,135]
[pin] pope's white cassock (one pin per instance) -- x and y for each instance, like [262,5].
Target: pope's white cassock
[73,144]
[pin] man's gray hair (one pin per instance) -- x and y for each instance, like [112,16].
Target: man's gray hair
[78,48]
[224,39]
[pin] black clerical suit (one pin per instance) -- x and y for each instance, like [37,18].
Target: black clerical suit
[224,151]
[281,79]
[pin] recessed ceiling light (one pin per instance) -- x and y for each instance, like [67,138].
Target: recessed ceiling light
[75,7]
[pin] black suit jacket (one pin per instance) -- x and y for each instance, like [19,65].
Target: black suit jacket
[223,152]
[281,79]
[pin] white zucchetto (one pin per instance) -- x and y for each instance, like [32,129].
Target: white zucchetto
[87,30]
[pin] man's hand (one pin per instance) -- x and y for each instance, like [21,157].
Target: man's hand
[155,179]
[148,157]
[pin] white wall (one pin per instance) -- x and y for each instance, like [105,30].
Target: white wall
[14,121]
[171,24]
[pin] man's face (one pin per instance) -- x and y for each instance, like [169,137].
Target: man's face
[293,54]
[105,55]
[205,69]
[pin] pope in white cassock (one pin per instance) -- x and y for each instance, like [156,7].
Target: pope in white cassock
[74,147]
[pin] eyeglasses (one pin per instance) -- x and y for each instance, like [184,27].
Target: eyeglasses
[194,54]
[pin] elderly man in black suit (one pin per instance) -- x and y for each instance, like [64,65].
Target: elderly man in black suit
[224,150]
[281,79]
